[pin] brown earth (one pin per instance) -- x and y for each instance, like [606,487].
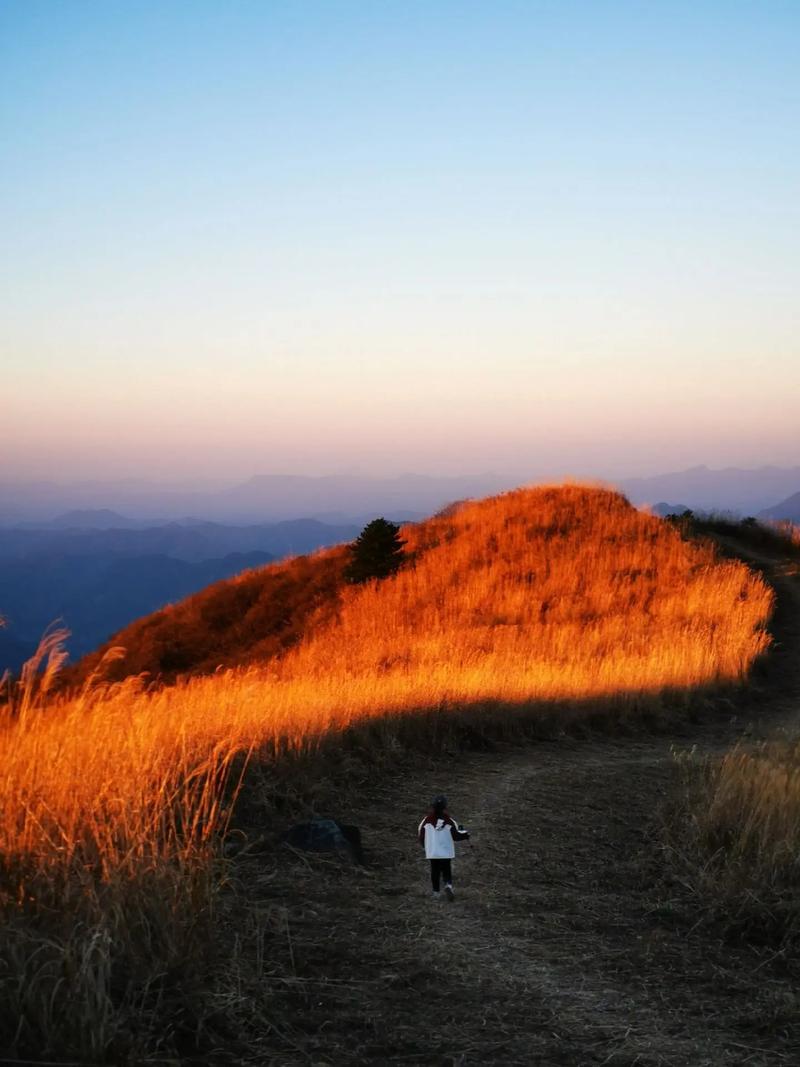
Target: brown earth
[567,944]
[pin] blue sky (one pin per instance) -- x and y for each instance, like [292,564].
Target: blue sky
[540,237]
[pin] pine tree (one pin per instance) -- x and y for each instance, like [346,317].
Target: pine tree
[377,552]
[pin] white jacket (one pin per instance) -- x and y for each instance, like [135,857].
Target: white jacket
[437,837]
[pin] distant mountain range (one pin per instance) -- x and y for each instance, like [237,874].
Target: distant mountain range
[351,499]
[88,519]
[746,492]
[96,595]
[787,511]
[99,580]
[265,498]
[191,542]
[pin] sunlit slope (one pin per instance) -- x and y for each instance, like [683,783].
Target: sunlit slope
[532,609]
[532,597]
[537,594]
[540,593]
[519,601]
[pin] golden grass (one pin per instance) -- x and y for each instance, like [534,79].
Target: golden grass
[534,596]
[115,798]
[543,594]
[110,830]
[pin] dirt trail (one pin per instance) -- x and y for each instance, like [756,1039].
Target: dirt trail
[563,946]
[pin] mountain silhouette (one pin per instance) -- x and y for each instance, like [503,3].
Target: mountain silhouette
[732,489]
[264,498]
[787,511]
[95,595]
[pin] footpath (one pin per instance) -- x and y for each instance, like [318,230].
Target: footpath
[565,945]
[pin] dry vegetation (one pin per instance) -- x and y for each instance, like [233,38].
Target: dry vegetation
[733,833]
[773,538]
[114,800]
[736,838]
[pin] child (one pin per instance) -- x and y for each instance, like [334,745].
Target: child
[438,833]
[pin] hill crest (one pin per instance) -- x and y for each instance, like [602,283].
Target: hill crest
[550,590]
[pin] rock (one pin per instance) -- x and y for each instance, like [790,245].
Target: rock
[326,835]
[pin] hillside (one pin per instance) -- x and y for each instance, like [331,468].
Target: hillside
[515,615]
[545,593]
[540,594]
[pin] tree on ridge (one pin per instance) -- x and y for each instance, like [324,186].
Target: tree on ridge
[377,552]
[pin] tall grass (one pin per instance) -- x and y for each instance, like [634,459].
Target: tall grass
[114,799]
[109,868]
[735,837]
[552,593]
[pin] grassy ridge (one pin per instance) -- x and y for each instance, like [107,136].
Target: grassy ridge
[544,602]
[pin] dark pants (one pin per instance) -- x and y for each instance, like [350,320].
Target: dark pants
[440,869]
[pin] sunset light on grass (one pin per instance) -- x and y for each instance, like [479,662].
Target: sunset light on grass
[532,604]
[400,422]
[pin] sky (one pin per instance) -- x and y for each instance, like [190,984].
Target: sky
[541,238]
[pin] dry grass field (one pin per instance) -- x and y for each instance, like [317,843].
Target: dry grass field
[115,799]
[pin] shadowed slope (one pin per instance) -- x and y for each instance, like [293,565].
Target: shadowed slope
[254,616]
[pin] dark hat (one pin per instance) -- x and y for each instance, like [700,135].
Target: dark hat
[439,801]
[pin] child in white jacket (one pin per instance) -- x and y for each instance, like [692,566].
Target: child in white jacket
[438,833]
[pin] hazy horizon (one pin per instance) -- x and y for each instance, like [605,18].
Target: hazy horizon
[538,239]
[353,498]
[231,480]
